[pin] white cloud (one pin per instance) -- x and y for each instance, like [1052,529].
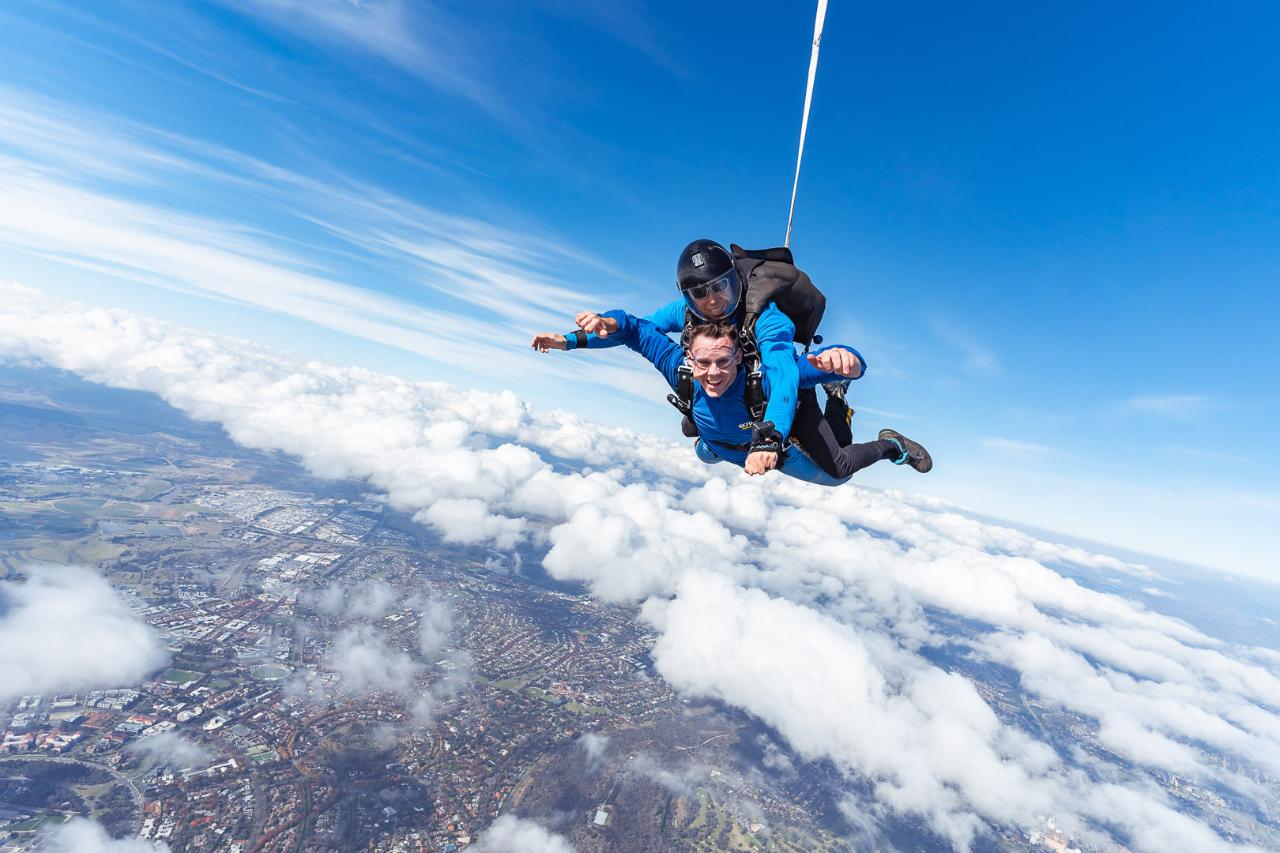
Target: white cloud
[594,745]
[457,674]
[1015,447]
[979,359]
[1182,407]
[84,836]
[369,599]
[364,660]
[419,37]
[65,628]
[511,834]
[1208,455]
[174,750]
[469,292]
[807,608]
[683,782]
[435,624]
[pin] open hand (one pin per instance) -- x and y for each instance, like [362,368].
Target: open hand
[544,341]
[836,360]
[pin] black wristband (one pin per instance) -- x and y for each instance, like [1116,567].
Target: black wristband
[581,338]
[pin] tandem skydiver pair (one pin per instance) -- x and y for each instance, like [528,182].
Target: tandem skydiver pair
[735,374]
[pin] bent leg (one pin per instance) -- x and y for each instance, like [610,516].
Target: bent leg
[821,444]
[796,463]
[812,432]
[855,457]
[839,417]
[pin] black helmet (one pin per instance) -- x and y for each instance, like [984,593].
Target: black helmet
[706,270]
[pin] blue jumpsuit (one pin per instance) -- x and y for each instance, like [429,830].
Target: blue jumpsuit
[719,419]
[774,334]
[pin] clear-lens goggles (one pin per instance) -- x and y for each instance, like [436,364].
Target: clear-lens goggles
[722,364]
[719,285]
[715,299]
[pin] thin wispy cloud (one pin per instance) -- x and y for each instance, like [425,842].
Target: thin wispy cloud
[1207,455]
[897,416]
[421,38]
[1017,448]
[1181,407]
[627,22]
[975,356]
[448,287]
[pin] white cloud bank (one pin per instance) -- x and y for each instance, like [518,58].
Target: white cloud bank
[174,750]
[511,834]
[811,609]
[85,836]
[65,628]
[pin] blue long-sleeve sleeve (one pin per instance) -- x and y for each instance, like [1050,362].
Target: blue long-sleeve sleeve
[668,318]
[774,335]
[643,336]
[811,376]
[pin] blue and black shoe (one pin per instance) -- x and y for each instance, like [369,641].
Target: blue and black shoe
[909,452]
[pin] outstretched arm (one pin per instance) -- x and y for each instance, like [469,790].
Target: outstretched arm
[831,364]
[644,337]
[599,331]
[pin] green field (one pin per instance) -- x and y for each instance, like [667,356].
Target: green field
[79,506]
[150,490]
[180,676]
[36,822]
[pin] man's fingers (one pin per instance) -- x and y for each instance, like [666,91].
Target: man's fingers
[759,462]
[547,341]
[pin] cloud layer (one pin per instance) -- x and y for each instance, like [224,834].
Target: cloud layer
[511,834]
[174,750]
[65,628]
[85,836]
[821,612]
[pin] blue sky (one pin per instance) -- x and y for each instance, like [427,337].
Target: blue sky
[1051,230]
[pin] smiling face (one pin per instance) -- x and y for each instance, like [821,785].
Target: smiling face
[717,304]
[715,360]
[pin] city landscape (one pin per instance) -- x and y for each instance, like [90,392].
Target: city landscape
[340,679]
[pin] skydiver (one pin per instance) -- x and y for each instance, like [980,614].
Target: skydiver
[710,281]
[720,412]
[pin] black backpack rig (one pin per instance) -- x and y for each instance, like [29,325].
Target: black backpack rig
[768,275]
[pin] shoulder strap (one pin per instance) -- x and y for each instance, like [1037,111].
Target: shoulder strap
[753,388]
[682,399]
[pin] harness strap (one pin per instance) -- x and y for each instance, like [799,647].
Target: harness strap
[724,445]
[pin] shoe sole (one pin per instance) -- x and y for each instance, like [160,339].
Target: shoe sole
[917,456]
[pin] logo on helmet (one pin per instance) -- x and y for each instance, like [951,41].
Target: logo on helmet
[698,259]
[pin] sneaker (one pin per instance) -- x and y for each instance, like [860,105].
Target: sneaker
[836,390]
[911,452]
